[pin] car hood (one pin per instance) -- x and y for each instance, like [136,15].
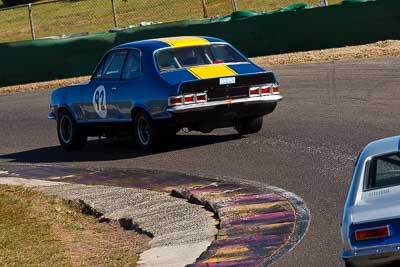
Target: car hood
[209,72]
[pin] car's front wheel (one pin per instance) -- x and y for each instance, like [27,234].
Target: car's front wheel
[146,132]
[70,135]
[249,125]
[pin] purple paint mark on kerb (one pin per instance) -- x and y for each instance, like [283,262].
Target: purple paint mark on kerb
[254,199]
[268,218]
[213,188]
[251,241]
[239,263]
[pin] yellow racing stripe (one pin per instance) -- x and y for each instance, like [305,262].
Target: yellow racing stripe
[212,71]
[184,41]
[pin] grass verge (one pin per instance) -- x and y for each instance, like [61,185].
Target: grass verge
[41,230]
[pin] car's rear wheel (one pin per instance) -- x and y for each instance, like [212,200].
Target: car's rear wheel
[146,132]
[249,125]
[70,135]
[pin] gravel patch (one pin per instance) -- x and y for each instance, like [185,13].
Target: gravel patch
[379,49]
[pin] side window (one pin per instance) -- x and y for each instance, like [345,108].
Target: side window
[99,71]
[113,65]
[133,66]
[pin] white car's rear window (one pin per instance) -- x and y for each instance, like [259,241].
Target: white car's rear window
[384,171]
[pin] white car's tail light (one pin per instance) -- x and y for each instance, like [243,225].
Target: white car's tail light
[254,91]
[187,99]
[371,233]
[175,100]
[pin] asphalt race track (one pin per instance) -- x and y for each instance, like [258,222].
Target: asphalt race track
[307,146]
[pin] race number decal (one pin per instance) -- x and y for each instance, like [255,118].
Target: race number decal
[100,102]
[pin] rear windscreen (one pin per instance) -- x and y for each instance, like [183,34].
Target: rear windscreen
[384,171]
[177,58]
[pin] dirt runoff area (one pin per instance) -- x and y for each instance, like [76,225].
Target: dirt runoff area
[378,49]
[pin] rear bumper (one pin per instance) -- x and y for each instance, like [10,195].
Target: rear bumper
[218,114]
[210,105]
[373,256]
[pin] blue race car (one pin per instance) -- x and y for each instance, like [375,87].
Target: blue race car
[154,88]
[371,218]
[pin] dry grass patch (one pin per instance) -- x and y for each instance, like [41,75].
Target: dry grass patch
[43,85]
[41,230]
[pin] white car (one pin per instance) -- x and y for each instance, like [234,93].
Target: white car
[370,227]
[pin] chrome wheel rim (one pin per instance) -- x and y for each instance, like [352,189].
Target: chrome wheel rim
[143,130]
[65,129]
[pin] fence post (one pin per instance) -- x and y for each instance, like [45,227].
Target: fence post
[234,5]
[31,21]
[114,13]
[205,13]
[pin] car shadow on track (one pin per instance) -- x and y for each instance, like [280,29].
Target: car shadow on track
[107,149]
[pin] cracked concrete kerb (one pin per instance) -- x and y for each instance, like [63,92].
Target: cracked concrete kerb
[176,226]
[258,224]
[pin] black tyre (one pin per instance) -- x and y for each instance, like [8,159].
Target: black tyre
[348,264]
[69,133]
[146,133]
[249,125]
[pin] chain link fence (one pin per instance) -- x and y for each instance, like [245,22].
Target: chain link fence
[44,19]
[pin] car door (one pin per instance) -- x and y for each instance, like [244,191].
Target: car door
[99,103]
[127,89]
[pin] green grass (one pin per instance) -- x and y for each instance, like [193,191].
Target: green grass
[40,230]
[96,15]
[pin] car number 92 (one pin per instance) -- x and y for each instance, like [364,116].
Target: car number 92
[100,101]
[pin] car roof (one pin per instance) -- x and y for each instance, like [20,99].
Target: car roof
[361,211]
[178,41]
[382,146]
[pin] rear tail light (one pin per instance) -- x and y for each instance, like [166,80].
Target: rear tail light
[254,91]
[201,98]
[265,90]
[371,233]
[175,100]
[187,99]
